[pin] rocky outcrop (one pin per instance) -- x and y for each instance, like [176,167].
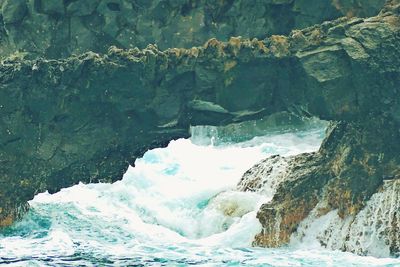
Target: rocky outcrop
[59,28]
[85,118]
[357,165]
[350,167]
[374,230]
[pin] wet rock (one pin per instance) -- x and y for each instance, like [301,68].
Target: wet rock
[288,208]
[344,177]
[87,117]
[374,230]
[266,176]
[9,214]
[247,130]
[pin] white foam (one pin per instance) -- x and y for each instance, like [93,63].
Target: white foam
[173,195]
[371,232]
[177,202]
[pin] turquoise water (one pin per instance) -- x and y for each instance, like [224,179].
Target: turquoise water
[170,210]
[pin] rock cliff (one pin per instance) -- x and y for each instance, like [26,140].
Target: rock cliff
[356,162]
[59,28]
[86,117]
[357,165]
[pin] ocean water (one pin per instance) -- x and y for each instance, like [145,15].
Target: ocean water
[177,207]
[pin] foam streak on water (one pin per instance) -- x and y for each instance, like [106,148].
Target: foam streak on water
[177,207]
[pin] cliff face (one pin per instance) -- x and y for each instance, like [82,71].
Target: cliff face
[350,186]
[357,162]
[59,28]
[85,118]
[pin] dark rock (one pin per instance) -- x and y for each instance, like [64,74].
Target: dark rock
[344,174]
[82,7]
[86,117]
[52,7]
[13,11]
[358,8]
[129,24]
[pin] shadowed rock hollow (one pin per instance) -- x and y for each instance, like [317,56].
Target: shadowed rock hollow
[86,117]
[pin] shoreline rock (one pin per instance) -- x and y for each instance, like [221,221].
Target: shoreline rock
[374,230]
[86,117]
[342,177]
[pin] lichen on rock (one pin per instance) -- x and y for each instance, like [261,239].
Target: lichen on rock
[57,28]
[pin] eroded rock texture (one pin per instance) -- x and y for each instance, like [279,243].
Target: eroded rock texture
[58,28]
[350,167]
[85,118]
[374,230]
[346,176]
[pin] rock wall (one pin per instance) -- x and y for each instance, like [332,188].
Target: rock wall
[333,194]
[59,28]
[348,171]
[86,117]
